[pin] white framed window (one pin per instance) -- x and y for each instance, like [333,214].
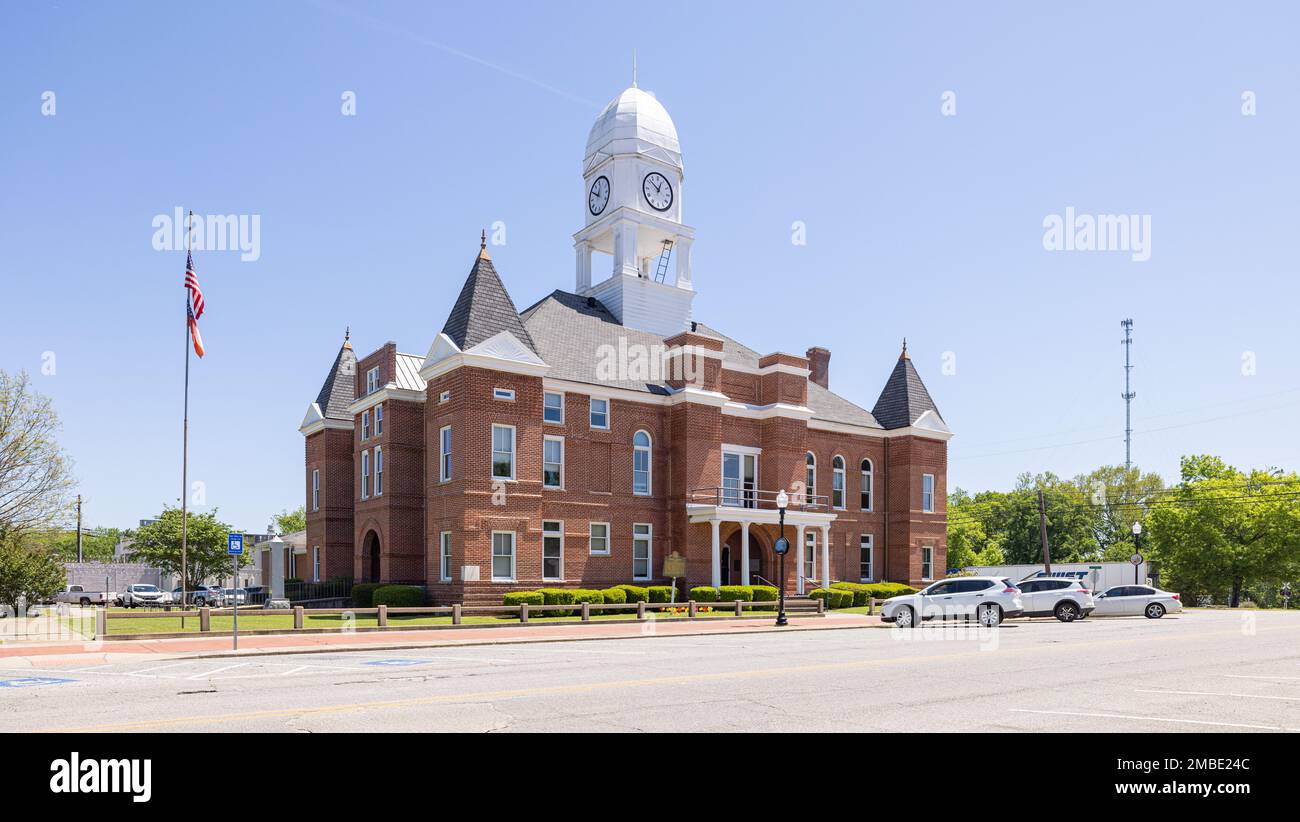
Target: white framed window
[552,550]
[642,550]
[810,475]
[927,562]
[739,476]
[553,407]
[315,563]
[372,380]
[599,413]
[866,486]
[552,462]
[927,493]
[365,425]
[641,463]
[503,452]
[444,396]
[867,558]
[507,394]
[837,482]
[598,538]
[503,556]
[379,470]
[444,556]
[444,453]
[315,489]
[365,475]
[379,420]
[810,555]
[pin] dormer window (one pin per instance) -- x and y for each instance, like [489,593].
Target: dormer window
[372,380]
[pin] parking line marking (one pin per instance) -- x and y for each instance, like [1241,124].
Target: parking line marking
[205,674]
[1261,676]
[1214,693]
[143,671]
[294,670]
[1155,719]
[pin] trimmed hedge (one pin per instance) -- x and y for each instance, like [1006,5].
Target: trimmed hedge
[635,593]
[588,595]
[660,593]
[732,593]
[834,597]
[524,598]
[764,593]
[557,596]
[863,591]
[704,593]
[363,594]
[614,596]
[398,596]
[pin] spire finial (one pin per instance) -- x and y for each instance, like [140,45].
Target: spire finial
[482,246]
[633,68]
[347,336]
[904,354]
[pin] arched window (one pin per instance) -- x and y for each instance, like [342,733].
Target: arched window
[837,482]
[810,482]
[641,464]
[866,485]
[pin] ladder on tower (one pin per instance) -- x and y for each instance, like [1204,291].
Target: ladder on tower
[662,271]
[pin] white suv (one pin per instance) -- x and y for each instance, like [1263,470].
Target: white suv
[1065,599]
[1131,600]
[988,599]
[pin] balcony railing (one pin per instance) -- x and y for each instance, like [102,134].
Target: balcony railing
[740,497]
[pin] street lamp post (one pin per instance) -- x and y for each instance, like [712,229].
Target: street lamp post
[1137,550]
[782,547]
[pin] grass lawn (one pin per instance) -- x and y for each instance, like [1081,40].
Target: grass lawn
[861,609]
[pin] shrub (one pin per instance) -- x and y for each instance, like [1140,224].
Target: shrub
[363,594]
[615,596]
[524,598]
[704,593]
[764,593]
[588,595]
[635,593]
[834,597]
[558,596]
[399,596]
[863,591]
[732,593]
[660,593]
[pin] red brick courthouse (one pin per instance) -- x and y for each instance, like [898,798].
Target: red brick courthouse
[581,441]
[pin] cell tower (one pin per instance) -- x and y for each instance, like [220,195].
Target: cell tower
[1128,394]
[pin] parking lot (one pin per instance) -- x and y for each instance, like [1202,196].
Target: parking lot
[1201,671]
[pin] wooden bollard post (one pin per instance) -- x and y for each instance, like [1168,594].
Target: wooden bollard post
[640,610]
[297,617]
[586,612]
[740,610]
[690,609]
[821,605]
[383,616]
[523,612]
[101,622]
[205,618]
[455,614]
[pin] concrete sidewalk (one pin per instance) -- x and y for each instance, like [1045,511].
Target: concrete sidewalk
[67,654]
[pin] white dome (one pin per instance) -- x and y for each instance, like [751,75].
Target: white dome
[634,122]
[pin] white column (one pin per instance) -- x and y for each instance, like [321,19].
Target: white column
[583,249]
[744,553]
[683,250]
[625,261]
[798,559]
[826,556]
[717,553]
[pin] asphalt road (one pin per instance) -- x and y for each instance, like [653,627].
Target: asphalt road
[1202,671]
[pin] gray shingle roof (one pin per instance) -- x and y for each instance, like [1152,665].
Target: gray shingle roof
[336,394]
[905,397]
[484,309]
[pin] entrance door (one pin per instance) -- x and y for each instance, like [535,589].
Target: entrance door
[726,565]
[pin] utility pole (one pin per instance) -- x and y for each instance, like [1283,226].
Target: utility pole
[1042,532]
[1128,394]
[80,558]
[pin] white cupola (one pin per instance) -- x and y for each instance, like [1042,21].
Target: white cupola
[632,199]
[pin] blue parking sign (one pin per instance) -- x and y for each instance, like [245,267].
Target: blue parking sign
[235,544]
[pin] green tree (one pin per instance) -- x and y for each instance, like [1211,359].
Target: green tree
[28,572]
[291,521]
[97,544]
[159,544]
[1223,529]
[35,475]
[1119,497]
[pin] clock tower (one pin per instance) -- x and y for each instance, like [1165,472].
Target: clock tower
[632,177]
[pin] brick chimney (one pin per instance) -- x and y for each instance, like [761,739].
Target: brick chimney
[819,363]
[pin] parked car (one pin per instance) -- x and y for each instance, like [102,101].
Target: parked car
[256,594]
[81,595]
[1065,599]
[1132,600]
[234,596]
[209,595]
[988,599]
[141,594]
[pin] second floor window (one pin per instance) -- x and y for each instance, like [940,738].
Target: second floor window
[553,462]
[927,493]
[837,482]
[810,476]
[444,454]
[379,470]
[641,464]
[503,452]
[866,485]
[379,420]
[315,490]
[553,407]
[365,425]
[599,413]
[365,475]
[372,380]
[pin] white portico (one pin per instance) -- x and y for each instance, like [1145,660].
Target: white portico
[716,507]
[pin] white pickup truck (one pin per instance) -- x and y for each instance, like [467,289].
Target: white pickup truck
[80,595]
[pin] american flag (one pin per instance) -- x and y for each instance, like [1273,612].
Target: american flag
[193,303]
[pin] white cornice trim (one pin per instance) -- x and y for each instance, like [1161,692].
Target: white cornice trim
[315,422]
[603,391]
[435,370]
[764,412]
[697,395]
[388,392]
[774,368]
[863,431]
[703,512]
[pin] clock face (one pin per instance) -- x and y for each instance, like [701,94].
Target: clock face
[598,198]
[658,191]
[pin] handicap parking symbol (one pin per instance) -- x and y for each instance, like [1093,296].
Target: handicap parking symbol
[32,681]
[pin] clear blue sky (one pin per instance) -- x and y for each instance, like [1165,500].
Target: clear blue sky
[918,224]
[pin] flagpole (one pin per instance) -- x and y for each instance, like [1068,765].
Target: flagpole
[185,430]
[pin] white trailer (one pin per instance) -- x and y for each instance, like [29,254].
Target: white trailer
[1097,576]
